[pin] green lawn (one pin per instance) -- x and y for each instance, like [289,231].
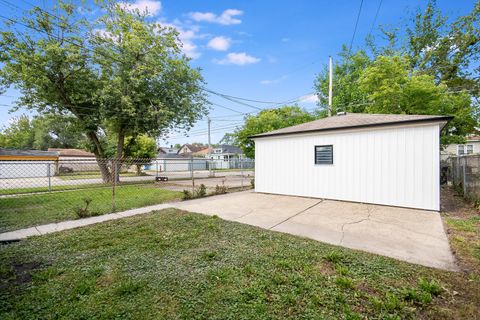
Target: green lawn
[172,264]
[29,210]
[44,189]
[92,175]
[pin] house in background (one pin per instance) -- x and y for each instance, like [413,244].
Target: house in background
[167,150]
[193,150]
[371,158]
[226,157]
[471,146]
[27,163]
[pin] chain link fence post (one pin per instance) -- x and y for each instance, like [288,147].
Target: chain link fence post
[114,182]
[192,176]
[241,171]
[49,178]
[464,171]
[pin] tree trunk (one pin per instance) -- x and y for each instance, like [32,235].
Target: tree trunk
[120,146]
[139,169]
[100,157]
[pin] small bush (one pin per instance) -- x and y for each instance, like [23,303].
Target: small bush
[344,282]
[252,183]
[201,191]
[412,295]
[342,270]
[392,302]
[334,257]
[432,287]
[220,189]
[187,195]
[84,212]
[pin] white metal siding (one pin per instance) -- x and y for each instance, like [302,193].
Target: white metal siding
[396,166]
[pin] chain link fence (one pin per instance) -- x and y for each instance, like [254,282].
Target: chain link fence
[463,172]
[36,192]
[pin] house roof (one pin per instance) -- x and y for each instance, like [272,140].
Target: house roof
[229,149]
[167,149]
[353,120]
[194,148]
[72,152]
[27,154]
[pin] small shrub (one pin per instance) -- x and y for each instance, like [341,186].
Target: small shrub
[201,191]
[392,302]
[252,183]
[432,287]
[412,295]
[83,212]
[334,257]
[344,282]
[220,189]
[187,195]
[342,270]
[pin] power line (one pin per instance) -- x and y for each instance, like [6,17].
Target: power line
[375,18]
[355,29]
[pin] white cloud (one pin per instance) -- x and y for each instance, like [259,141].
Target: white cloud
[240,59]
[226,18]
[285,39]
[309,98]
[150,6]
[219,43]
[273,81]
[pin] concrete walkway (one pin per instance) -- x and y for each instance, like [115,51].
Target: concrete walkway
[71,224]
[411,235]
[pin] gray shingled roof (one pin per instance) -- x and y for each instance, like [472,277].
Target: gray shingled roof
[230,149]
[353,120]
[28,153]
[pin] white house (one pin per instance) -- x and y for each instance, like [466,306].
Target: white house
[226,157]
[371,158]
[471,146]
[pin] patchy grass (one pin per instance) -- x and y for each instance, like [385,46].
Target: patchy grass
[174,264]
[463,227]
[30,210]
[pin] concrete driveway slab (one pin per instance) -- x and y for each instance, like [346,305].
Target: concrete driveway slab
[411,235]
[262,210]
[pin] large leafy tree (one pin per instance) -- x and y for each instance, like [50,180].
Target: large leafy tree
[42,132]
[268,120]
[129,79]
[391,87]
[19,134]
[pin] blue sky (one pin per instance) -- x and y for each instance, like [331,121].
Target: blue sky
[262,50]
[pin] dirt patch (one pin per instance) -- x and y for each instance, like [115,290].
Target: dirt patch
[19,274]
[454,205]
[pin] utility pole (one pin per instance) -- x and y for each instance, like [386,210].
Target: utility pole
[330,85]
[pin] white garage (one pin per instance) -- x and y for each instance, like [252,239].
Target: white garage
[371,158]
